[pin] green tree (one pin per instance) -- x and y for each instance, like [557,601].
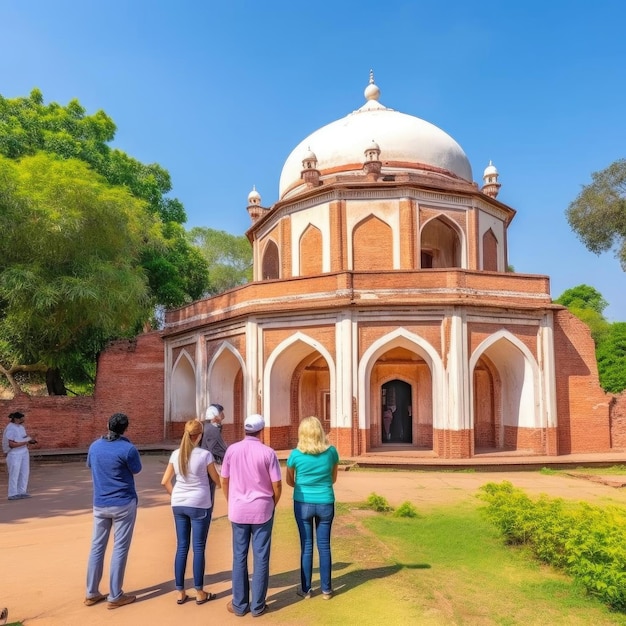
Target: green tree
[598,214]
[588,304]
[229,257]
[28,126]
[70,265]
[611,355]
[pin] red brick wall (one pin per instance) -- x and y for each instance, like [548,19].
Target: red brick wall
[130,380]
[618,421]
[582,406]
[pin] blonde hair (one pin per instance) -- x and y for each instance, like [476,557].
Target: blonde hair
[193,428]
[311,436]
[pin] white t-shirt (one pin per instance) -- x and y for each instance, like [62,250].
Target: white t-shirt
[193,489]
[17,433]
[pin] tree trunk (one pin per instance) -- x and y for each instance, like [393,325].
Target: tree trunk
[54,383]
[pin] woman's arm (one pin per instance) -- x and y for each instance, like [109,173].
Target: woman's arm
[291,477]
[335,472]
[166,481]
[215,477]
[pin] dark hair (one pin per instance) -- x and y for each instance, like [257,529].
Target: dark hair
[118,423]
[16,415]
[219,407]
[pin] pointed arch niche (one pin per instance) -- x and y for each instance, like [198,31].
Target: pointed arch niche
[299,380]
[270,267]
[440,244]
[311,251]
[372,245]
[225,385]
[183,394]
[490,251]
[504,393]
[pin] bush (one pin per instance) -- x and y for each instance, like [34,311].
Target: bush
[406,509]
[378,503]
[586,541]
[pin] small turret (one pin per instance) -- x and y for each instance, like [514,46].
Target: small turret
[372,165]
[255,210]
[490,177]
[310,174]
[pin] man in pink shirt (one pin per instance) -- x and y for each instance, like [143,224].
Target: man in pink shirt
[252,484]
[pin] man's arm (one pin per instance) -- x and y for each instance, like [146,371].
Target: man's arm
[278,489]
[225,487]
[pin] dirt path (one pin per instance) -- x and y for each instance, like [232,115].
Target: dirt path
[44,541]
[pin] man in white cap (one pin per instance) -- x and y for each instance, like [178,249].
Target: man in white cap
[252,484]
[212,439]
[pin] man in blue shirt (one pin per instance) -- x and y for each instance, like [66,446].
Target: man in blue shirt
[113,461]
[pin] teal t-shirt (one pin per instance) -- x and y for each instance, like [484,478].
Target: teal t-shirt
[314,475]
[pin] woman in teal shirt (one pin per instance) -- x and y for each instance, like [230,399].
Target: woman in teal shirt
[312,472]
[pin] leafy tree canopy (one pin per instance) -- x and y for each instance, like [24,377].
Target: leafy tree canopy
[583,297]
[588,304]
[598,214]
[70,263]
[177,273]
[611,355]
[27,126]
[229,257]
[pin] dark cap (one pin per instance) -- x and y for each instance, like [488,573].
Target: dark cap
[16,415]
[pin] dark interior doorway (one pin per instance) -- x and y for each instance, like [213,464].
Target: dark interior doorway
[397,421]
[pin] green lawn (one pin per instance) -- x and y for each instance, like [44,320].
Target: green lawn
[447,566]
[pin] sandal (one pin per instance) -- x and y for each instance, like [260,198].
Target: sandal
[209,596]
[182,600]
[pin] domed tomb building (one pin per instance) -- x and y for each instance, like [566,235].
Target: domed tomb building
[381,302]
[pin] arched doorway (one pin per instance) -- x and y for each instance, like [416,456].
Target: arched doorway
[396,398]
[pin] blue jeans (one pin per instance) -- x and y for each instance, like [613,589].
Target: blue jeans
[122,520]
[190,520]
[260,536]
[320,515]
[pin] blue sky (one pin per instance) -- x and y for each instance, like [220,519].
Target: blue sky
[219,93]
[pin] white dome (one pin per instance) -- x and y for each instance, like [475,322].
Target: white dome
[254,197]
[405,142]
[490,170]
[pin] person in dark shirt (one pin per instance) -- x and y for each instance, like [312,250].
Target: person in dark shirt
[212,439]
[113,461]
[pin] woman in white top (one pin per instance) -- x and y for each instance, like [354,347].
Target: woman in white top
[192,507]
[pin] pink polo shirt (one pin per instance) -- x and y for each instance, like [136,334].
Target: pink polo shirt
[251,468]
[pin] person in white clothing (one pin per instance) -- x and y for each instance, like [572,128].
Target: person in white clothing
[192,507]
[15,444]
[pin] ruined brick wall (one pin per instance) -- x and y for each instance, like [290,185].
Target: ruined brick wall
[618,421]
[582,405]
[129,380]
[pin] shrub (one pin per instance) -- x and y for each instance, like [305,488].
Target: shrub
[406,509]
[586,541]
[378,503]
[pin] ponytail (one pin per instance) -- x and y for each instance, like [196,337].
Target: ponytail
[193,428]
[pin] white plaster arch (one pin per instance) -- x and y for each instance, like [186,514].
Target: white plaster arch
[183,388]
[222,370]
[442,217]
[278,372]
[519,375]
[400,338]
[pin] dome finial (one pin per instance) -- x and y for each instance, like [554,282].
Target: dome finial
[372,92]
